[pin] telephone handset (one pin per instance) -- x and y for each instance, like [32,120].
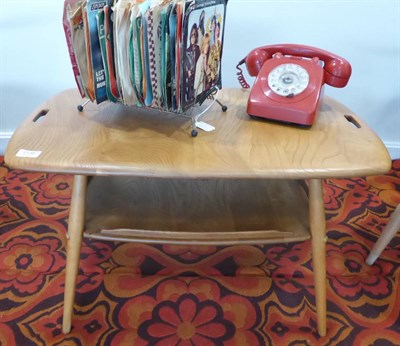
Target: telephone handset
[290,80]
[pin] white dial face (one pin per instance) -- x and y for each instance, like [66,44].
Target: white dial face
[288,80]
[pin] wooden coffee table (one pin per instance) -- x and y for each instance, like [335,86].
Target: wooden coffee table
[139,175]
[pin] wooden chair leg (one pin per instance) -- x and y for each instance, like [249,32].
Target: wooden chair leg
[387,235]
[318,240]
[74,241]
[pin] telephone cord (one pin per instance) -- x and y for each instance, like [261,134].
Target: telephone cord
[240,76]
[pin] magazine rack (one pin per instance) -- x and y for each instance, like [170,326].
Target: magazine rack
[158,55]
[191,113]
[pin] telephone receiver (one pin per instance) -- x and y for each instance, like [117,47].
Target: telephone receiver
[289,81]
[337,70]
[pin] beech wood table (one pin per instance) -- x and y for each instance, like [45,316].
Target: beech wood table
[150,181]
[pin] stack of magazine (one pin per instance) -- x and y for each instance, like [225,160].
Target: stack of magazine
[151,53]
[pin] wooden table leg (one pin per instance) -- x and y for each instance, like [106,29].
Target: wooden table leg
[74,241]
[387,235]
[318,239]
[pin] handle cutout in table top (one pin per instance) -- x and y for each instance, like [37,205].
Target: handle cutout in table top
[40,115]
[352,121]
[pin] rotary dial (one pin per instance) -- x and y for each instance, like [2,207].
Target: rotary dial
[288,80]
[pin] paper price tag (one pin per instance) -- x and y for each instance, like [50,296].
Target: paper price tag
[204,126]
[28,153]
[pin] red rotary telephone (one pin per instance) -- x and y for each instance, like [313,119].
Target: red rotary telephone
[290,80]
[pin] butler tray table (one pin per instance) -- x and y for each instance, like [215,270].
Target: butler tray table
[139,175]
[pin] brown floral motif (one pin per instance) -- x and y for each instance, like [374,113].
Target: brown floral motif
[387,186]
[91,322]
[237,309]
[332,195]
[377,336]
[24,262]
[288,260]
[384,187]
[10,215]
[189,253]
[352,276]
[55,188]
[187,322]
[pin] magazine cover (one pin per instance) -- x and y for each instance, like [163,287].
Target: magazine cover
[122,27]
[107,48]
[70,7]
[98,73]
[154,32]
[135,58]
[90,82]
[180,10]
[203,41]
[79,46]
[165,57]
[172,46]
[101,24]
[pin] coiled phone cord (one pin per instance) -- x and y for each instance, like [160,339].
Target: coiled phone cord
[240,76]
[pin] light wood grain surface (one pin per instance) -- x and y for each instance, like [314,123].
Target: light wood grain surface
[75,228]
[201,211]
[114,139]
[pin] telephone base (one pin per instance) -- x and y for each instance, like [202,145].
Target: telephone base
[280,122]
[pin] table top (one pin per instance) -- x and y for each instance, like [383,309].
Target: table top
[113,139]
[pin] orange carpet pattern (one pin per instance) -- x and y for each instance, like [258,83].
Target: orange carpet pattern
[137,294]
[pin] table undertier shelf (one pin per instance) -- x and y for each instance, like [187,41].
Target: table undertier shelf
[196,211]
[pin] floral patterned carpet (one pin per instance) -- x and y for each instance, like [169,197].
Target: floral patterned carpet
[136,294]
